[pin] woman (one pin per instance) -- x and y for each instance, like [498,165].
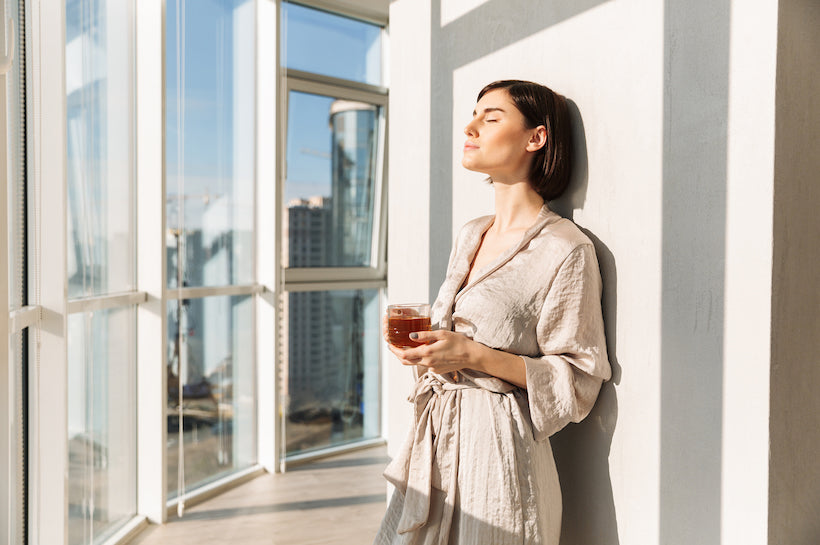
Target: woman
[517,350]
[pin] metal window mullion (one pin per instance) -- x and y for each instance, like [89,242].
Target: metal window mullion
[385,50]
[48,404]
[266,216]
[335,285]
[333,274]
[340,8]
[308,82]
[7,464]
[276,299]
[104,302]
[378,250]
[22,318]
[173,294]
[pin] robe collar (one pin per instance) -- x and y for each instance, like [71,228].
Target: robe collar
[472,241]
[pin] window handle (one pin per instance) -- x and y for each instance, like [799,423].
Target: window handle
[7,38]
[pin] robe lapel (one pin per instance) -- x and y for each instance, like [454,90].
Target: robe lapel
[545,216]
[466,247]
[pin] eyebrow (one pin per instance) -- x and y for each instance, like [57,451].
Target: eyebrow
[490,109]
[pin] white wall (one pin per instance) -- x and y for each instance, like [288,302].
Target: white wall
[674,106]
[409,223]
[748,274]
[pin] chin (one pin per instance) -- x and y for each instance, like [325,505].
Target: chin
[466,163]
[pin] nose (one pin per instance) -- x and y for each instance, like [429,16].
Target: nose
[470,128]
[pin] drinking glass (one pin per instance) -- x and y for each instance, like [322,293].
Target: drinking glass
[405,319]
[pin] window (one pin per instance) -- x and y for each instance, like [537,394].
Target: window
[330,45]
[209,241]
[100,254]
[332,345]
[107,252]
[332,218]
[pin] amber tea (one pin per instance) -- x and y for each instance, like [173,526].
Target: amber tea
[405,319]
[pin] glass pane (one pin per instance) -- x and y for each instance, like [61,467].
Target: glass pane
[16,143]
[102,447]
[333,341]
[99,56]
[210,142]
[210,344]
[331,45]
[330,186]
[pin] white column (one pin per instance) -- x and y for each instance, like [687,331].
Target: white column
[409,190]
[48,456]
[748,283]
[266,242]
[151,266]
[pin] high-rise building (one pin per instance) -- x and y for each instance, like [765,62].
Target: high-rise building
[324,327]
[309,344]
[353,165]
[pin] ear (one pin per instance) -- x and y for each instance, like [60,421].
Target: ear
[538,138]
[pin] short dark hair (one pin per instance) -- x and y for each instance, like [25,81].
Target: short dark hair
[540,105]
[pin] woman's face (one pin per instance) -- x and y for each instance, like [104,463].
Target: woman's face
[499,143]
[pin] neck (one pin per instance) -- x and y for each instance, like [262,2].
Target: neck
[516,206]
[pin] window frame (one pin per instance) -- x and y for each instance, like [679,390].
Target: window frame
[17,316]
[295,279]
[8,487]
[301,82]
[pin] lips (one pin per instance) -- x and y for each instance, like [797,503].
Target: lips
[470,146]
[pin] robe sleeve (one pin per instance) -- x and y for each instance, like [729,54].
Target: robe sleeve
[564,381]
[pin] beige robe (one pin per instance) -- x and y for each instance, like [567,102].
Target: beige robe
[477,467]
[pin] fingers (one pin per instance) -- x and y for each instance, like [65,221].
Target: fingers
[428,336]
[439,350]
[405,355]
[410,354]
[398,352]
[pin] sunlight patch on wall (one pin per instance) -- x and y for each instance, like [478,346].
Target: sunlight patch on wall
[453,9]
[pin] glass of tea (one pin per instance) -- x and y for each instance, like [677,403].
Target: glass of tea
[405,319]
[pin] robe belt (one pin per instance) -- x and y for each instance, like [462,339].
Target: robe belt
[424,459]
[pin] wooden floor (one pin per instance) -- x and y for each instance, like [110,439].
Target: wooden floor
[334,501]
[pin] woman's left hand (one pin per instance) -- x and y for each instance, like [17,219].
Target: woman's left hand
[444,351]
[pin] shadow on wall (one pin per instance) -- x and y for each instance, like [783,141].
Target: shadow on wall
[695,129]
[582,450]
